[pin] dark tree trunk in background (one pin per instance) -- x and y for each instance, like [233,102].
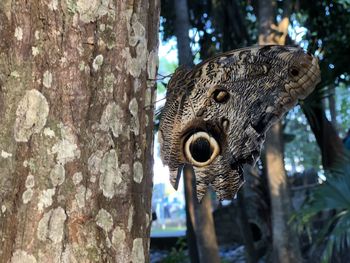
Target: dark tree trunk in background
[189,182]
[235,32]
[182,27]
[331,146]
[265,19]
[285,242]
[332,106]
[201,235]
[76,139]
[200,215]
[205,231]
[246,233]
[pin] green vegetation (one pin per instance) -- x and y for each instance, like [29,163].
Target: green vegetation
[177,254]
[330,201]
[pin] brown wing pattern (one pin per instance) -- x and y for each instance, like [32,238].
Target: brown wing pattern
[216,114]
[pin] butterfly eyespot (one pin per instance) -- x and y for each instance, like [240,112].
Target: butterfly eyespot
[220,95]
[201,149]
[294,72]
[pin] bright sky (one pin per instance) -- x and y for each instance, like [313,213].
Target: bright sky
[161,172]
[167,50]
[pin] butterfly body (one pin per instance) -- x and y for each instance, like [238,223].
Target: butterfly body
[216,114]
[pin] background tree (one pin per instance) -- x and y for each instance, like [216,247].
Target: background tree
[76,130]
[285,242]
[199,219]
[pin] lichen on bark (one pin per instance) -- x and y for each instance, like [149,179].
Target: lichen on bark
[51,225]
[31,115]
[104,220]
[75,146]
[110,175]
[21,256]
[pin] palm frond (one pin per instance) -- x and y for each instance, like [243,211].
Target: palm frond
[332,196]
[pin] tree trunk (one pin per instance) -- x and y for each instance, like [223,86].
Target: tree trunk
[332,148]
[190,193]
[245,230]
[234,33]
[265,16]
[201,236]
[201,217]
[182,27]
[76,135]
[285,243]
[332,106]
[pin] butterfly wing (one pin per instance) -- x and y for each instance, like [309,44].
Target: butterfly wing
[216,114]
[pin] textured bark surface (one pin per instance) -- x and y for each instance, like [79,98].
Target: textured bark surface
[285,243]
[76,135]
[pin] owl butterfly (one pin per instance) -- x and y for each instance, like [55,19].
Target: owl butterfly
[216,114]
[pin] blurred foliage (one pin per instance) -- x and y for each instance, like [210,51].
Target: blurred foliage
[177,253]
[166,68]
[333,198]
[302,151]
[328,35]
[343,106]
[217,25]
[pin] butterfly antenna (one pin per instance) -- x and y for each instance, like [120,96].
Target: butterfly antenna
[153,103]
[162,77]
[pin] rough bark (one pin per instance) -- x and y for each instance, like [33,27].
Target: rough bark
[75,136]
[285,243]
[325,131]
